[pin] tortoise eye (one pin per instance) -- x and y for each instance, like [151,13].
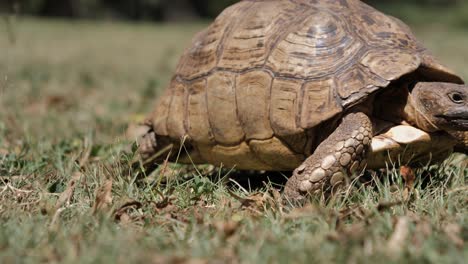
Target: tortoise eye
[456,98]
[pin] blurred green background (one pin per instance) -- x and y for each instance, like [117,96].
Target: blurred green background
[109,59]
[171,10]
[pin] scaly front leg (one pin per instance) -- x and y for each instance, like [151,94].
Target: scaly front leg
[342,153]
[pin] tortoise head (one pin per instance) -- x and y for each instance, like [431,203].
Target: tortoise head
[441,106]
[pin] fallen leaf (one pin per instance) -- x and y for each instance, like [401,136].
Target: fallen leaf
[227,228]
[122,211]
[84,157]
[252,200]
[277,196]
[382,206]
[103,197]
[277,200]
[66,195]
[59,102]
[159,259]
[408,175]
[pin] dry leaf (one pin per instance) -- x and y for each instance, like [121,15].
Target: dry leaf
[408,175]
[84,157]
[255,202]
[159,259]
[58,102]
[277,200]
[382,206]
[397,240]
[227,228]
[122,211]
[103,197]
[277,196]
[66,195]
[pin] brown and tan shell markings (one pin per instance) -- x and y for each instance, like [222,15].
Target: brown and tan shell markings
[264,74]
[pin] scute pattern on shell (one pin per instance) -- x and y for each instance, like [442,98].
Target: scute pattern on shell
[272,70]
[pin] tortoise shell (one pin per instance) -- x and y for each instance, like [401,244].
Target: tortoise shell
[257,88]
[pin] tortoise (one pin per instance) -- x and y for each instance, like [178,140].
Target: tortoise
[321,88]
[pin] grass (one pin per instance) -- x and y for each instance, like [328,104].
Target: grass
[68,90]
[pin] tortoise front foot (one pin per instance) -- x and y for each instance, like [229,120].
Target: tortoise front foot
[341,154]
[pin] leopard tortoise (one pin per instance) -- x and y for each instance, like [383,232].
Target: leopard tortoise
[321,88]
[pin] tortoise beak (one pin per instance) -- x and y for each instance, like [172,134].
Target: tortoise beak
[458,118]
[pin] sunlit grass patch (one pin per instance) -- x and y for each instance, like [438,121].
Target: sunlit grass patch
[59,209]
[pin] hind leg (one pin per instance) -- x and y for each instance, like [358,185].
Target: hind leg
[147,145]
[341,153]
[150,149]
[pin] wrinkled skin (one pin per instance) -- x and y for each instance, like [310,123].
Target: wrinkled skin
[444,106]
